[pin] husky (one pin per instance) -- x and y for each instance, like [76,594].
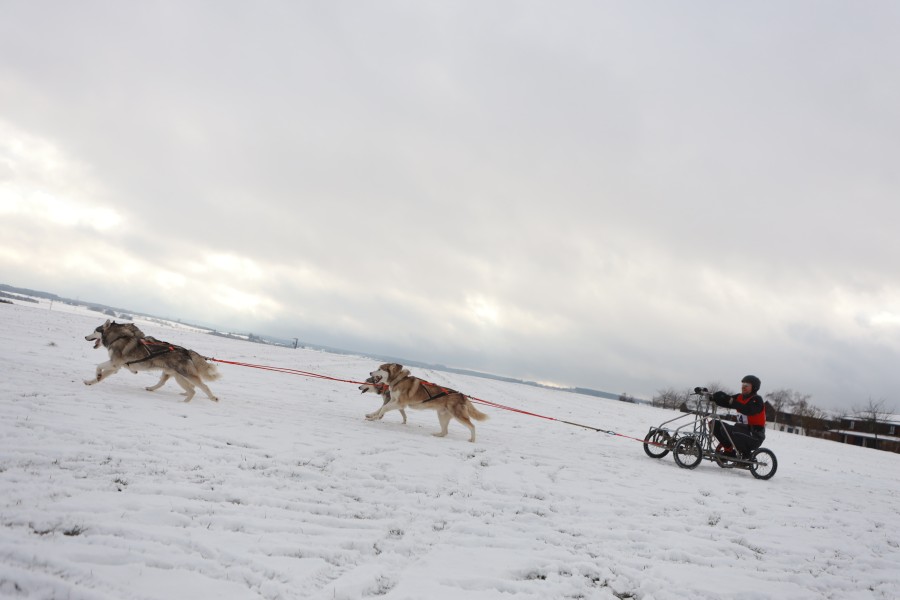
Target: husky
[381,389]
[129,347]
[408,391]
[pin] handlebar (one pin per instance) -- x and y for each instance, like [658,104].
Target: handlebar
[705,404]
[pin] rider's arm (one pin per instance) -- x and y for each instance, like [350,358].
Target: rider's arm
[722,399]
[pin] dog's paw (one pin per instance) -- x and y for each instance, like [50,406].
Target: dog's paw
[90,381]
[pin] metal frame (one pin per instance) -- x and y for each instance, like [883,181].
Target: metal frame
[700,435]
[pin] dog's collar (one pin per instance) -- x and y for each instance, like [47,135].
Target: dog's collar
[108,342]
[403,374]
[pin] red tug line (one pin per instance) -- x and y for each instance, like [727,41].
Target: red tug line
[472,398]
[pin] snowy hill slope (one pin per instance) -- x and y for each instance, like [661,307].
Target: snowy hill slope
[282,490]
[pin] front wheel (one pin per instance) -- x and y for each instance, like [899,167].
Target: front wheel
[656,444]
[687,452]
[764,463]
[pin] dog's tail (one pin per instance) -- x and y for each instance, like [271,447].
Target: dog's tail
[206,370]
[474,413]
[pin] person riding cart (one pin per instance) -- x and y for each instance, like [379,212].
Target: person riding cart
[750,430]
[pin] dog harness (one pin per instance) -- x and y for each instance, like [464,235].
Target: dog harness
[154,348]
[443,392]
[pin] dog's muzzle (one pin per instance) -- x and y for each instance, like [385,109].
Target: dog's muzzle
[97,339]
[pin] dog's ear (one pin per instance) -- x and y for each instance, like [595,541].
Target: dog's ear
[106,324]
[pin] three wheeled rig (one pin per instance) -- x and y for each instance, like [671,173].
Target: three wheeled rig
[693,441]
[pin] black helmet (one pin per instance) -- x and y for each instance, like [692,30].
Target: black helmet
[754,382]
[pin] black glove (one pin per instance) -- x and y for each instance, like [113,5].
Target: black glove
[721,396]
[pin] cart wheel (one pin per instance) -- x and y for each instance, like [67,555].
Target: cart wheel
[764,463]
[687,452]
[657,436]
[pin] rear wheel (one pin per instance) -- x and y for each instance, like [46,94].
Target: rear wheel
[654,437]
[764,463]
[687,452]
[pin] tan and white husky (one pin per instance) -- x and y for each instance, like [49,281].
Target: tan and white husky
[411,392]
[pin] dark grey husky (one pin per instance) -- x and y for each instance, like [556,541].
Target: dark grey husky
[129,347]
[381,389]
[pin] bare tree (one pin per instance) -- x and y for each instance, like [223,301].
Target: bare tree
[716,386]
[809,417]
[670,398]
[779,400]
[872,414]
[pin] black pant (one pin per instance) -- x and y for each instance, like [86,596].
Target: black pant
[746,438]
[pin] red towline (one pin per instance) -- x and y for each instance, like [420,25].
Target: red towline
[472,398]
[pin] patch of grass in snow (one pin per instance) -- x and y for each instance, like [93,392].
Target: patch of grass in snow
[535,576]
[383,586]
[70,531]
[73,531]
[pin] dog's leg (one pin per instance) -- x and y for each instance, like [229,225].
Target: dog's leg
[465,421]
[103,371]
[206,390]
[387,398]
[444,420]
[159,384]
[385,408]
[192,376]
[186,386]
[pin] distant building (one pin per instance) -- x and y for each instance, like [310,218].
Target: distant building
[813,423]
[881,435]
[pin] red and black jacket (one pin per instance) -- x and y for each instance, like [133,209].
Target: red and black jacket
[751,407]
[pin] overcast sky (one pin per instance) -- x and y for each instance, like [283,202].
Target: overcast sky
[628,196]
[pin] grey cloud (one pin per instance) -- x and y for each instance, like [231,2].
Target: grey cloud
[620,196]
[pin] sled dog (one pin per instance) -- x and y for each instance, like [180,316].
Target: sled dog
[382,390]
[411,392]
[129,347]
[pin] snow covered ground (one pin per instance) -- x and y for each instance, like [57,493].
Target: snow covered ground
[283,490]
